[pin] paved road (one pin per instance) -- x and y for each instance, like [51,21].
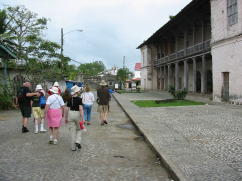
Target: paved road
[199,143]
[109,153]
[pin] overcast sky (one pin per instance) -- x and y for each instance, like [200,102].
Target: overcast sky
[111,28]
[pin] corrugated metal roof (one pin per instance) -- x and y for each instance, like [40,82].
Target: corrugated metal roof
[8,51]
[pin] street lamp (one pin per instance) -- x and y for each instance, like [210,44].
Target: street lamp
[62,38]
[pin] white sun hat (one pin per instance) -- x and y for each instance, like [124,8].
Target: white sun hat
[54,90]
[38,87]
[56,84]
[75,89]
[103,83]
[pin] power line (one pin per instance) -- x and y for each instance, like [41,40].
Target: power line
[76,61]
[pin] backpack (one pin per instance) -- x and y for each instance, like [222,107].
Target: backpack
[42,101]
[20,95]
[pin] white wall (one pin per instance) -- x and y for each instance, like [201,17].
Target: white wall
[136,74]
[226,49]
[219,21]
[146,83]
[227,57]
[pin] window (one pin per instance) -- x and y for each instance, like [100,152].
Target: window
[232,12]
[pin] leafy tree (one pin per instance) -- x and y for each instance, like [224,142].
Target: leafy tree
[38,56]
[171,17]
[3,17]
[92,69]
[123,74]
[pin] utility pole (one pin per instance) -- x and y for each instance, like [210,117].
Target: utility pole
[62,41]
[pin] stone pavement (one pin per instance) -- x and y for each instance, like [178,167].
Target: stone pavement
[197,143]
[115,152]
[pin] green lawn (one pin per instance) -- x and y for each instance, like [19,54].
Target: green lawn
[165,103]
[129,91]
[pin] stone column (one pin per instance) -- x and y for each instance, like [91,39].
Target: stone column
[194,74]
[168,75]
[160,76]
[176,75]
[165,86]
[185,75]
[203,75]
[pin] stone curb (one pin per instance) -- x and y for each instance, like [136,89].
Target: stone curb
[175,172]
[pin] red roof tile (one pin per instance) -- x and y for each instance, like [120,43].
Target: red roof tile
[137,66]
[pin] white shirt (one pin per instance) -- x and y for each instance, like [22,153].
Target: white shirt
[55,101]
[87,98]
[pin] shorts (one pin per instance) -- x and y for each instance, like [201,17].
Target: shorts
[38,112]
[103,108]
[25,111]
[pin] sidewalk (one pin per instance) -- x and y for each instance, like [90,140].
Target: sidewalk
[196,143]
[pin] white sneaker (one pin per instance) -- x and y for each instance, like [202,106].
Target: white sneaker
[55,142]
[43,130]
[36,132]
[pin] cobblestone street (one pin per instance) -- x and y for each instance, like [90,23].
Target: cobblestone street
[198,142]
[113,152]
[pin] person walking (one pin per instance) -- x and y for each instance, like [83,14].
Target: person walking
[56,84]
[38,109]
[73,117]
[54,111]
[24,98]
[87,100]
[103,98]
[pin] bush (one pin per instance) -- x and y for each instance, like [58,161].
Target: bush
[178,94]
[5,102]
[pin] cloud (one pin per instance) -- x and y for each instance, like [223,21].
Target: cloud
[112,28]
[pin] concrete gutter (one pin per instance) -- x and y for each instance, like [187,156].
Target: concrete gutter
[172,169]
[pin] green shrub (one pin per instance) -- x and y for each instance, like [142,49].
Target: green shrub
[172,90]
[5,102]
[178,94]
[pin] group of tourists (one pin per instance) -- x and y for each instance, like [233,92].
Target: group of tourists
[74,108]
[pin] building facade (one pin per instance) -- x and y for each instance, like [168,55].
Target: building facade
[198,49]
[226,46]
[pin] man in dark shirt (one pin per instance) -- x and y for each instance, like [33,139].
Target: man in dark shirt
[103,102]
[25,104]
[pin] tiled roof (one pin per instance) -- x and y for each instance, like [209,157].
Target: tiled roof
[137,66]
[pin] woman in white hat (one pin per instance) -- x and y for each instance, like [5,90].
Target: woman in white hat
[54,111]
[73,117]
[37,109]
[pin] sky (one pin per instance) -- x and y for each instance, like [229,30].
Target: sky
[112,29]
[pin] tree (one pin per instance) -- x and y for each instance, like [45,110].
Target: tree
[123,74]
[92,69]
[25,30]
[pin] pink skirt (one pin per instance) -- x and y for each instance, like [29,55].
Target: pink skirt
[54,117]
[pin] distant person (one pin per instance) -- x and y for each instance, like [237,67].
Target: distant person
[73,117]
[56,84]
[103,98]
[54,111]
[38,106]
[66,96]
[87,100]
[24,98]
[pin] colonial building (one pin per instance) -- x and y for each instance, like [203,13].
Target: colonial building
[198,49]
